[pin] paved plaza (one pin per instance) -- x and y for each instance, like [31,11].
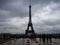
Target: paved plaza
[27,41]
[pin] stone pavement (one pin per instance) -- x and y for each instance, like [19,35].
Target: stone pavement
[27,41]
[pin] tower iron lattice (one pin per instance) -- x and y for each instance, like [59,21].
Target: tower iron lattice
[30,29]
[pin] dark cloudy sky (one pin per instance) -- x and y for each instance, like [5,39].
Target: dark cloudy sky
[45,15]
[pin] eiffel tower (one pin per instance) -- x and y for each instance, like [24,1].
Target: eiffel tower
[30,30]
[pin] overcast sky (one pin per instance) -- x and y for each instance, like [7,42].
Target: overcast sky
[45,16]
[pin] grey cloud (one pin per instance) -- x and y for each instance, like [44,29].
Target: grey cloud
[19,8]
[52,22]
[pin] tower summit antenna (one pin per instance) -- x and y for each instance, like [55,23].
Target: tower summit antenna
[30,2]
[30,14]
